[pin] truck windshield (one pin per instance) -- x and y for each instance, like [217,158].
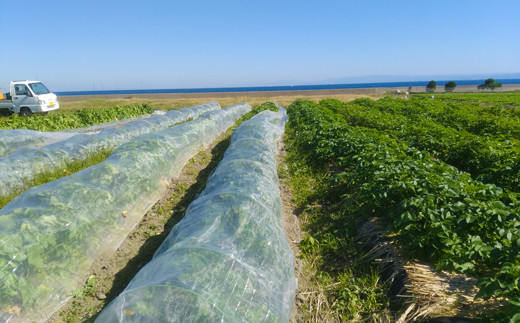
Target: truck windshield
[39,88]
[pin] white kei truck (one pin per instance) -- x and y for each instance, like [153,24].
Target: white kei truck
[28,97]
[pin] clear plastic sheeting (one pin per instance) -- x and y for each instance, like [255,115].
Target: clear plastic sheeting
[51,234]
[228,259]
[116,123]
[24,164]
[13,139]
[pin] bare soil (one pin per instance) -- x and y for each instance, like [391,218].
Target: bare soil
[291,225]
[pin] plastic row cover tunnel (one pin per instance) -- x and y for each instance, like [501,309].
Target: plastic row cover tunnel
[115,123]
[13,139]
[50,235]
[25,163]
[228,259]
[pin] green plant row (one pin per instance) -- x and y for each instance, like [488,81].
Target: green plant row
[77,119]
[332,258]
[437,212]
[493,121]
[512,98]
[488,159]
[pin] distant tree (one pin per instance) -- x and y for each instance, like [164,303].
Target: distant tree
[489,84]
[431,86]
[450,86]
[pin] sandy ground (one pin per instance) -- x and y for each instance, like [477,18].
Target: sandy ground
[226,95]
[291,225]
[177,100]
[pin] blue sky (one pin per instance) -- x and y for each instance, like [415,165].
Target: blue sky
[107,45]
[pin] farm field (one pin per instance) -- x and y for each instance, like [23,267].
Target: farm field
[196,199]
[439,179]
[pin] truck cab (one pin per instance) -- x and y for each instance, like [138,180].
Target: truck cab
[28,97]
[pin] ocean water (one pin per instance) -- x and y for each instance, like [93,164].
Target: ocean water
[283,87]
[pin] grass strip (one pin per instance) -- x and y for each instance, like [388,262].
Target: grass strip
[336,284]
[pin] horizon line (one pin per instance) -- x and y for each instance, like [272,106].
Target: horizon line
[283,87]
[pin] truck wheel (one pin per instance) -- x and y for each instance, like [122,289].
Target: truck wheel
[25,112]
[5,112]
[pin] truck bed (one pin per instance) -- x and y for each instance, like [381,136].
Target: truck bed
[6,104]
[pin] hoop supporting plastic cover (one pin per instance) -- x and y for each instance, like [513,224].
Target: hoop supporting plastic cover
[228,259]
[13,139]
[25,163]
[51,234]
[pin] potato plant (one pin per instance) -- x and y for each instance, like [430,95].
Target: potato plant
[438,212]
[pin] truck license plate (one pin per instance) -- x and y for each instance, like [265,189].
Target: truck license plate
[51,103]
